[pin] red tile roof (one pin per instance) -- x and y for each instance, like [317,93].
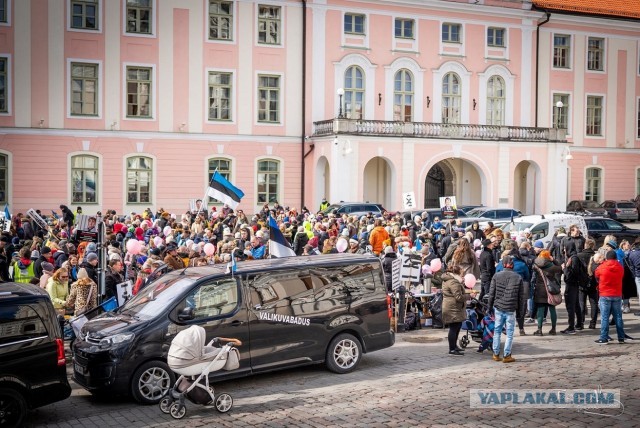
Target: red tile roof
[620,8]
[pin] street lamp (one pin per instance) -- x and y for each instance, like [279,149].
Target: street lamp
[559,106]
[340,94]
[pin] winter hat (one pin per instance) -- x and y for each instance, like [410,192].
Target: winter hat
[486,242]
[92,247]
[91,257]
[114,256]
[538,244]
[612,244]
[47,267]
[353,241]
[82,273]
[476,243]
[45,250]
[388,249]
[35,255]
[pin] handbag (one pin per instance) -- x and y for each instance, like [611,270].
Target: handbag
[553,299]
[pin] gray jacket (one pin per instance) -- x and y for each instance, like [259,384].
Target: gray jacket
[506,292]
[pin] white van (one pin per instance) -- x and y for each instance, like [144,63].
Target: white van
[544,226]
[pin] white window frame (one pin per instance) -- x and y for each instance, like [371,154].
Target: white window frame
[353,15]
[232,33]
[418,87]
[405,20]
[503,102]
[152,95]
[152,181]
[403,94]
[600,186]
[8,85]
[504,37]
[281,38]
[97,181]
[7,155]
[8,5]
[465,76]
[70,61]
[209,173]
[354,90]
[152,21]
[637,118]
[451,24]
[280,193]
[569,115]
[232,110]
[340,68]
[569,66]
[603,59]
[453,96]
[603,131]
[281,98]
[509,81]
[100,12]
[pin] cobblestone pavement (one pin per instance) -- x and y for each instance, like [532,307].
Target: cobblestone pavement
[414,383]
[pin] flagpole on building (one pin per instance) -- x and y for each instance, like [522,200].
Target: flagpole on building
[206,191]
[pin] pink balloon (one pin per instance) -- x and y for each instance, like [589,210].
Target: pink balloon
[209,249]
[426,269]
[157,241]
[469,280]
[166,230]
[342,245]
[436,265]
[133,246]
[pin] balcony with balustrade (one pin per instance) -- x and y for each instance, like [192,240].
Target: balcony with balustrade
[382,128]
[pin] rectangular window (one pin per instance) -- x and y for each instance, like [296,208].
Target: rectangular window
[269,25]
[84,89]
[220,20]
[595,54]
[594,116]
[404,28]
[4,178]
[561,114]
[561,50]
[268,99]
[495,37]
[139,92]
[4,85]
[223,166]
[84,178]
[84,14]
[451,33]
[268,179]
[219,96]
[353,23]
[3,11]
[593,185]
[139,175]
[139,16]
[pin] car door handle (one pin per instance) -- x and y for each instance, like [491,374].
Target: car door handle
[236,323]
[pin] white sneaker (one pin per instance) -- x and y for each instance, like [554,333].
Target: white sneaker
[626,309]
[530,321]
[544,321]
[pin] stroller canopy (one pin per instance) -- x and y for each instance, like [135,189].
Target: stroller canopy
[189,344]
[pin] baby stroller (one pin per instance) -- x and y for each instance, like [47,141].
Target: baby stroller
[476,311]
[193,361]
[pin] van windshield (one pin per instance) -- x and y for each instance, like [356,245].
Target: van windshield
[156,297]
[516,226]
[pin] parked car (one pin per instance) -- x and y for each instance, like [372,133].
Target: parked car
[287,312]
[636,201]
[432,213]
[587,208]
[32,361]
[621,210]
[355,208]
[598,228]
[494,213]
[543,227]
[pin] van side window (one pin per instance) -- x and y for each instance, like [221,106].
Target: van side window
[276,289]
[353,278]
[540,231]
[213,299]
[20,322]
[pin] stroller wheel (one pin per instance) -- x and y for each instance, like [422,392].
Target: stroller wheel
[165,405]
[224,402]
[178,410]
[464,341]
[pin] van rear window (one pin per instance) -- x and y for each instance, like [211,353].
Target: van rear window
[19,322]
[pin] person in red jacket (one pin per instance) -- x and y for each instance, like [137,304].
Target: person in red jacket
[609,275]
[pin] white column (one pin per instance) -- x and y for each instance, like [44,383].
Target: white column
[504,173]
[316,73]
[246,110]
[556,174]
[196,66]
[526,84]
[57,65]
[112,65]
[22,64]
[165,68]
[293,85]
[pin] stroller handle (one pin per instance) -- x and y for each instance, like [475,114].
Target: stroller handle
[234,342]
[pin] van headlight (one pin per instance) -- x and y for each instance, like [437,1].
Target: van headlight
[117,339]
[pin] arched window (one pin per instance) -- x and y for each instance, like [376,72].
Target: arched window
[224,169]
[268,181]
[139,176]
[354,92]
[451,98]
[84,179]
[4,179]
[403,96]
[593,178]
[496,99]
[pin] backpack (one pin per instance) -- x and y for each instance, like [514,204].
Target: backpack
[576,273]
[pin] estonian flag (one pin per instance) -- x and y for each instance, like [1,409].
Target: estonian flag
[225,192]
[278,245]
[7,214]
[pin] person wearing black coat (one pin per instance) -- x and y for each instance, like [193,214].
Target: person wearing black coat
[588,291]
[487,266]
[476,231]
[90,264]
[113,277]
[387,266]
[301,239]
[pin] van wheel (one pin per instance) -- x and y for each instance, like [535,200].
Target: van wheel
[13,408]
[151,382]
[343,354]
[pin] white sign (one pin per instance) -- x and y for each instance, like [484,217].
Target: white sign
[395,273]
[124,292]
[409,200]
[36,217]
[410,269]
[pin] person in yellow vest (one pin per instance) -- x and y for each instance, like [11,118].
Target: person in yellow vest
[324,204]
[23,268]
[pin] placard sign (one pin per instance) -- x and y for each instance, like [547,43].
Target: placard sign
[410,269]
[39,220]
[396,265]
[124,292]
[409,200]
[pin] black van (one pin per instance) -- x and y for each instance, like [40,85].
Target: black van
[287,312]
[32,361]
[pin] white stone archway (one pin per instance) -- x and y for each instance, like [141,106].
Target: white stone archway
[527,187]
[322,181]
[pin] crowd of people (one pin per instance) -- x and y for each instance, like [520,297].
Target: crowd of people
[516,273]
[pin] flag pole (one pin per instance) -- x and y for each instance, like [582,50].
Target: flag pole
[206,190]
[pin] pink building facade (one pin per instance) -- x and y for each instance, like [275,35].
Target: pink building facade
[129,104]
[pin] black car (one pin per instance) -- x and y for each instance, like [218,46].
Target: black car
[287,312]
[32,361]
[354,208]
[488,213]
[600,227]
[585,207]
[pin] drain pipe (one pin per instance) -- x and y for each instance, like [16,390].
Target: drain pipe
[303,138]
[538,60]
